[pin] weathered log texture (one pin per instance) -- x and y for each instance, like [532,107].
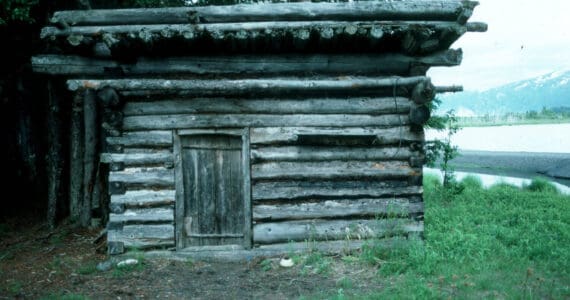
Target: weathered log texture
[298,190]
[290,64]
[90,160]
[423,92]
[312,153]
[143,236]
[419,115]
[390,207]
[147,215]
[373,11]
[138,159]
[143,139]
[331,170]
[77,143]
[145,198]
[144,178]
[54,157]
[293,135]
[107,96]
[161,122]
[272,86]
[449,89]
[363,105]
[318,230]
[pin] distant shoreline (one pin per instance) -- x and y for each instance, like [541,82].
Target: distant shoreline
[554,166]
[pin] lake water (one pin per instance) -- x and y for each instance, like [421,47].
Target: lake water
[547,138]
[553,138]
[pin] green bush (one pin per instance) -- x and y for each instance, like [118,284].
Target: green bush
[541,185]
[16,11]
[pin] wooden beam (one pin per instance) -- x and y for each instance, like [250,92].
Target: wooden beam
[338,209]
[318,230]
[90,160]
[138,159]
[289,64]
[227,87]
[315,153]
[360,105]
[293,135]
[161,122]
[154,138]
[77,145]
[143,236]
[145,198]
[331,170]
[295,190]
[413,10]
[143,216]
[144,177]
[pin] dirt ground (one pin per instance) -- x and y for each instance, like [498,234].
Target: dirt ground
[37,263]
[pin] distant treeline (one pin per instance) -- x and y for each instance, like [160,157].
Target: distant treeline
[553,115]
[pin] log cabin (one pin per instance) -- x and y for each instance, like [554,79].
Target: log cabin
[252,129]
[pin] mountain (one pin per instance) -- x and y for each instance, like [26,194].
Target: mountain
[550,91]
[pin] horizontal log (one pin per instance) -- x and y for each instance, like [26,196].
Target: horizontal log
[235,253]
[159,122]
[416,10]
[449,89]
[391,207]
[143,138]
[298,190]
[275,86]
[143,236]
[289,64]
[137,159]
[318,230]
[312,153]
[331,170]
[146,215]
[77,35]
[290,135]
[148,150]
[145,198]
[144,178]
[362,105]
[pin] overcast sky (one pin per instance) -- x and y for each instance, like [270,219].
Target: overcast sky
[526,38]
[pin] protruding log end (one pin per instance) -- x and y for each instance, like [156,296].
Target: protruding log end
[108,97]
[423,92]
[419,115]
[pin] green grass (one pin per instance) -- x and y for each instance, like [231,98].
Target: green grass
[504,242]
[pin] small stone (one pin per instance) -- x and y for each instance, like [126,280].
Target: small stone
[127,262]
[104,266]
[286,262]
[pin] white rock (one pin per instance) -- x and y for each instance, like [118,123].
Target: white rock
[127,262]
[286,262]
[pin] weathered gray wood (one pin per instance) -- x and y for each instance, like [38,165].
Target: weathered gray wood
[90,160]
[424,10]
[290,135]
[331,170]
[312,153]
[138,159]
[361,105]
[318,230]
[107,95]
[297,190]
[143,139]
[246,192]
[449,89]
[143,236]
[160,122]
[144,178]
[227,87]
[145,198]
[419,115]
[477,27]
[289,64]
[214,189]
[54,157]
[148,151]
[76,158]
[423,92]
[147,215]
[391,207]
[180,192]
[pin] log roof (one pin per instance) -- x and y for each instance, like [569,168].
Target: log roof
[417,27]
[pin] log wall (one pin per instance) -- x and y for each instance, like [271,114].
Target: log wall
[324,166]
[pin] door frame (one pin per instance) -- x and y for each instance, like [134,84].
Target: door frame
[243,133]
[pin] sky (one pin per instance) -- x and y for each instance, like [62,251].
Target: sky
[525,39]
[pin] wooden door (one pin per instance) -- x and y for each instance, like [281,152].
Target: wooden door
[213,190]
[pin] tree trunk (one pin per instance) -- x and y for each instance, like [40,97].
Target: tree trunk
[76,158]
[54,161]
